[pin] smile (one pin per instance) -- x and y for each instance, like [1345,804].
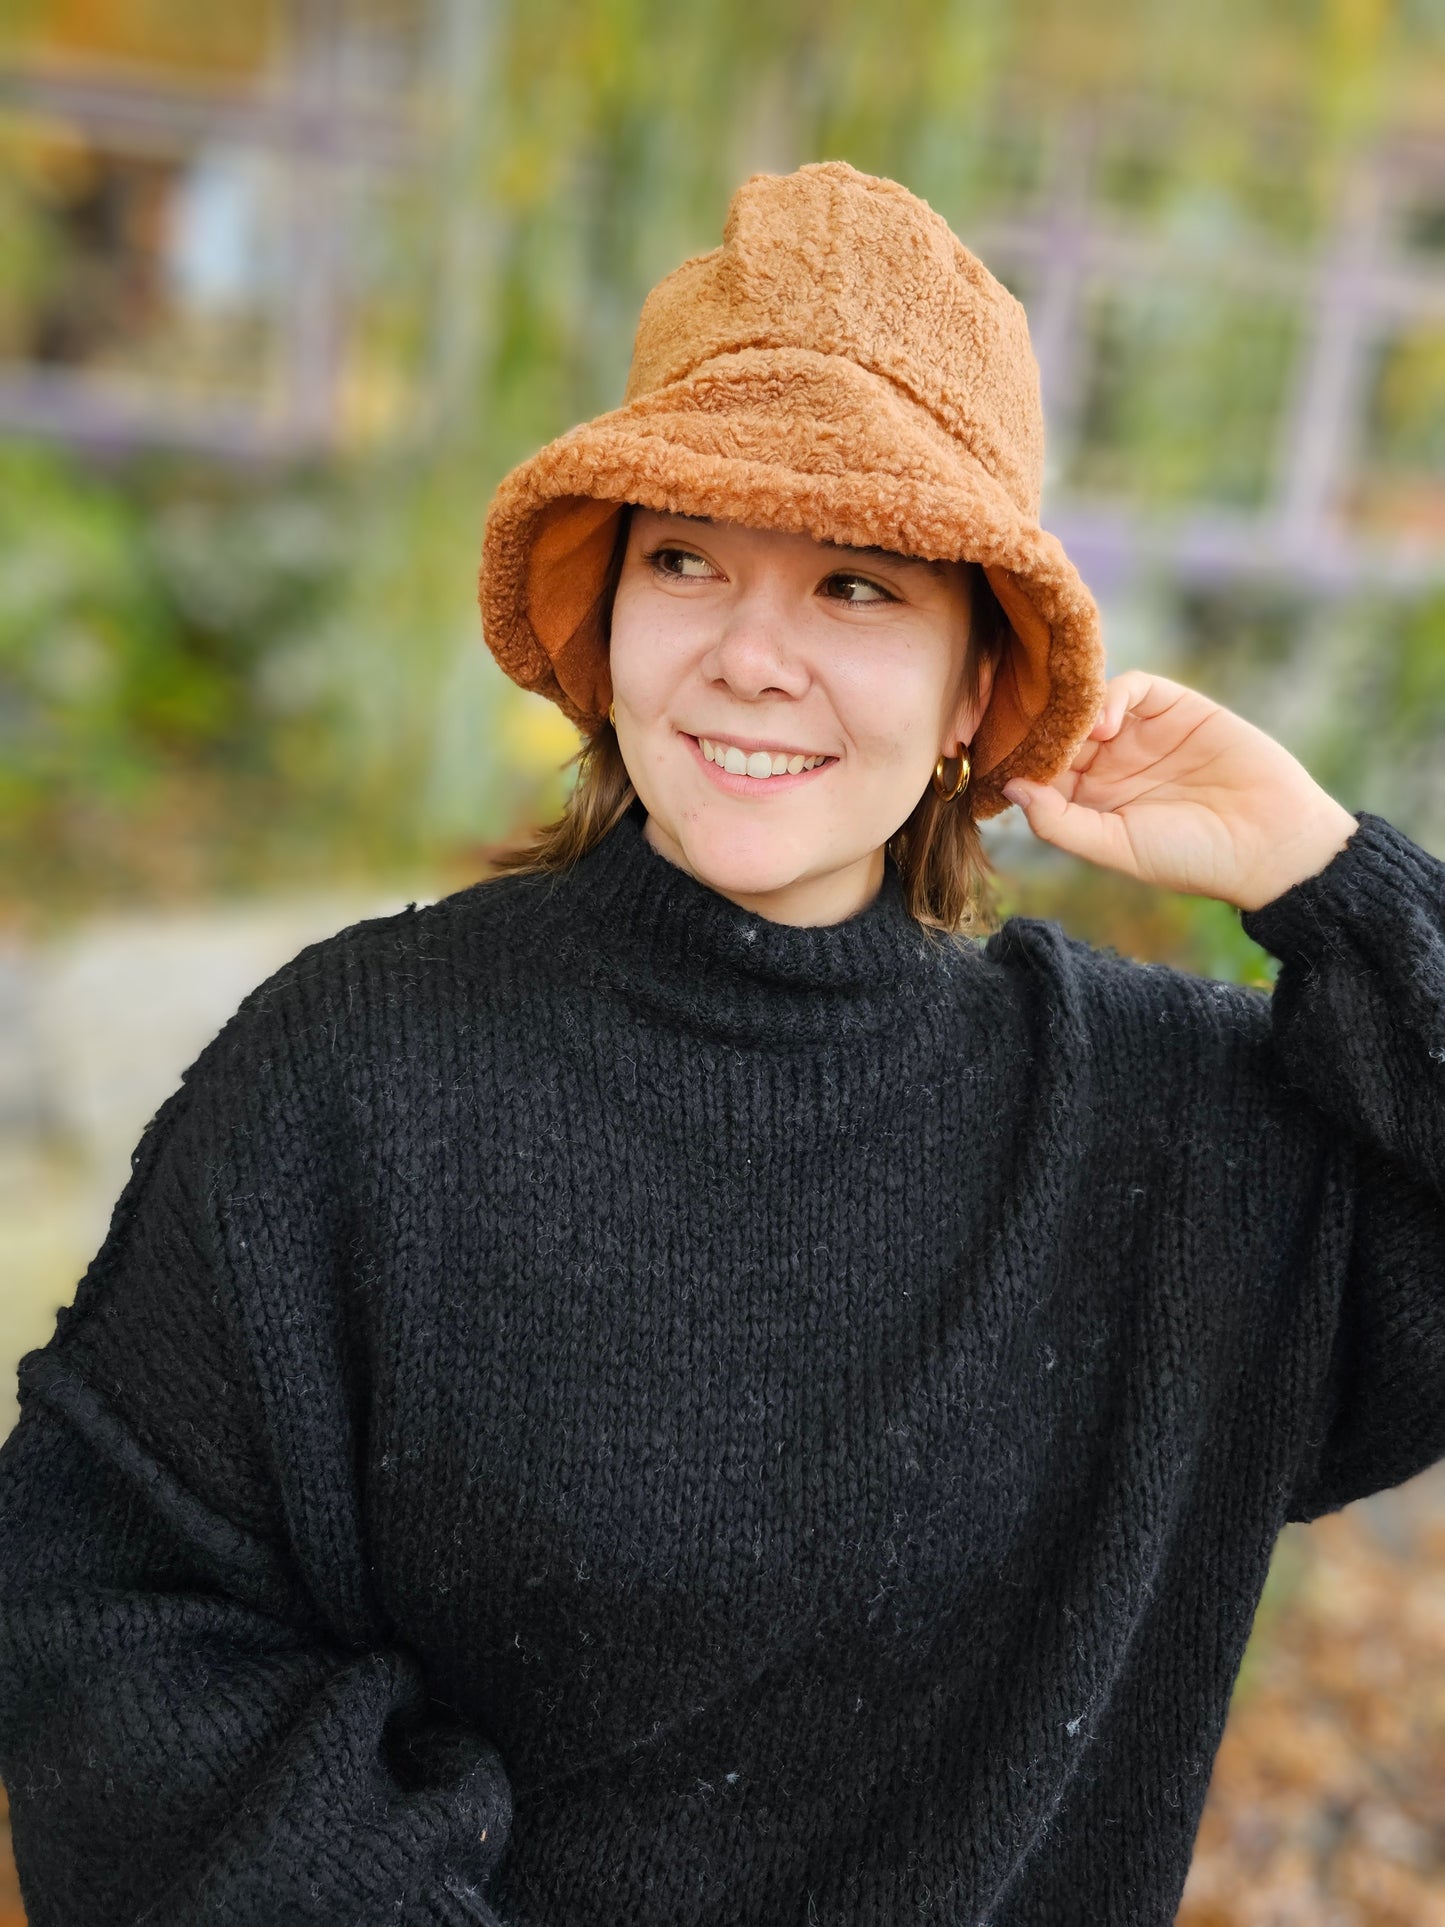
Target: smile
[743,772]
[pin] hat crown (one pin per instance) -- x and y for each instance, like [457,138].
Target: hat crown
[838,262]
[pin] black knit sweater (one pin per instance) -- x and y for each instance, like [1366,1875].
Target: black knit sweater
[595,1409]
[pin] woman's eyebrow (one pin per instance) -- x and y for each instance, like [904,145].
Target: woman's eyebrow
[940,569]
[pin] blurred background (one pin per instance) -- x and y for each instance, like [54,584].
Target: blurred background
[286,288]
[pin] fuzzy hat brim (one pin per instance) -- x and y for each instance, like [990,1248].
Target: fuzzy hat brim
[789,439]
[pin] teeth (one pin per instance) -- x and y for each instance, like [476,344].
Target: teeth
[759,764]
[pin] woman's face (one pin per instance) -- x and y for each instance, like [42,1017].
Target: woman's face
[758,643]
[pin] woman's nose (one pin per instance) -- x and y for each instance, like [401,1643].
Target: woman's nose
[753,651]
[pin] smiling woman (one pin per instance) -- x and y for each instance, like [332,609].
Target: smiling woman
[662,1389]
[835,476]
[870,666]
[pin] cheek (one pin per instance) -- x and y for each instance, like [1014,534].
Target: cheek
[887,698]
[651,649]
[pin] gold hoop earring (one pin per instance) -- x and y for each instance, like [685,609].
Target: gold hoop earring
[964,772]
[612,714]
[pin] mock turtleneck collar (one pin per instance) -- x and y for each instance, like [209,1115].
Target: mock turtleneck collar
[677,948]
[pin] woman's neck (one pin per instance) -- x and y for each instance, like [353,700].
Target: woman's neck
[808,901]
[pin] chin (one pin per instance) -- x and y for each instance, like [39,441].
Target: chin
[748,860]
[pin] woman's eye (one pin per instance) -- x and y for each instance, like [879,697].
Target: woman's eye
[685,565]
[875,593]
[662,559]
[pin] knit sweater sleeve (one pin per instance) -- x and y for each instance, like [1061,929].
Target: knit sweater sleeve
[203,1716]
[1357,1024]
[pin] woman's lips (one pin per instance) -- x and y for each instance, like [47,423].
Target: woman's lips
[753,785]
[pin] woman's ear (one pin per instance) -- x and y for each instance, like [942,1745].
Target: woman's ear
[969,713]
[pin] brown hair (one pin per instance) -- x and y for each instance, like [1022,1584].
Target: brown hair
[947,873]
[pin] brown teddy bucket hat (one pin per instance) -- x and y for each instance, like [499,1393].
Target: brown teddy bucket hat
[841,366]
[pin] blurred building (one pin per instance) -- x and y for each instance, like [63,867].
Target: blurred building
[199,203]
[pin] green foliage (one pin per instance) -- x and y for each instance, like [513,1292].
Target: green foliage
[157,629]
[1186,397]
[1405,424]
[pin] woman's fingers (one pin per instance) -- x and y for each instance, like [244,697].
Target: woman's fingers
[1119,693]
[1129,687]
[1097,836]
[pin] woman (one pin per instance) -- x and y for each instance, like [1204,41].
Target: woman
[670,1386]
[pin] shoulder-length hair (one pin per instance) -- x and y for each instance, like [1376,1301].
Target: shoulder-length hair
[947,874]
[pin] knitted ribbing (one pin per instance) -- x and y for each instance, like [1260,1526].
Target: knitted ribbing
[595,1407]
[671,948]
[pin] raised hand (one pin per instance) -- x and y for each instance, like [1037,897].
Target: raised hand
[1175,789]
